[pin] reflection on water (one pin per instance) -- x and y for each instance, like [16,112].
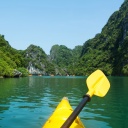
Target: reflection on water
[28,102]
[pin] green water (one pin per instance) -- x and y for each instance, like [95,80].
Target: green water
[28,102]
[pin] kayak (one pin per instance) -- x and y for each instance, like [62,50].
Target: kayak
[60,115]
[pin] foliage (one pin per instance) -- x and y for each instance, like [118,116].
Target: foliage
[6,65]
[24,71]
[106,51]
[61,55]
[65,58]
[36,58]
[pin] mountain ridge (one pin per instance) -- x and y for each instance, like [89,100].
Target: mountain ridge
[106,51]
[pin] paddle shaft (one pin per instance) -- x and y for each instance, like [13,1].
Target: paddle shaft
[75,113]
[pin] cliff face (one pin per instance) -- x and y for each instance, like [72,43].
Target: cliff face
[108,49]
[65,58]
[10,60]
[61,55]
[37,61]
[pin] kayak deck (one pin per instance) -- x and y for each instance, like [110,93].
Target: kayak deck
[60,115]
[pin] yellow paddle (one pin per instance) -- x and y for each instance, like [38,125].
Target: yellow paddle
[98,85]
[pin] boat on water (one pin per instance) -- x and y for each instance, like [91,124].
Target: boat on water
[65,117]
[60,115]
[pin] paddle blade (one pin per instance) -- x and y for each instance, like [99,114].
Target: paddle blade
[98,84]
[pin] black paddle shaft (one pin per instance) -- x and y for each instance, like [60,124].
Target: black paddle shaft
[75,113]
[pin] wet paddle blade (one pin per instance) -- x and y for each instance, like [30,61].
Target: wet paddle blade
[98,84]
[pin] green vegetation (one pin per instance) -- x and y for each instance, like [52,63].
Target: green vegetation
[37,59]
[10,59]
[61,55]
[107,51]
[65,58]
[24,71]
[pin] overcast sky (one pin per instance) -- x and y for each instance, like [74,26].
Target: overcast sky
[48,22]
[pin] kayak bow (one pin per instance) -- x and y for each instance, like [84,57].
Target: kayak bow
[65,117]
[60,115]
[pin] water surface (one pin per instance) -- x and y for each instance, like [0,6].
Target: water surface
[28,102]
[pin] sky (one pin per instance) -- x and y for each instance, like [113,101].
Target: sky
[45,23]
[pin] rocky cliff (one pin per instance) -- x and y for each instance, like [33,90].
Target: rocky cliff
[108,49]
[37,61]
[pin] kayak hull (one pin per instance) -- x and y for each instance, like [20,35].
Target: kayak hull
[60,115]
